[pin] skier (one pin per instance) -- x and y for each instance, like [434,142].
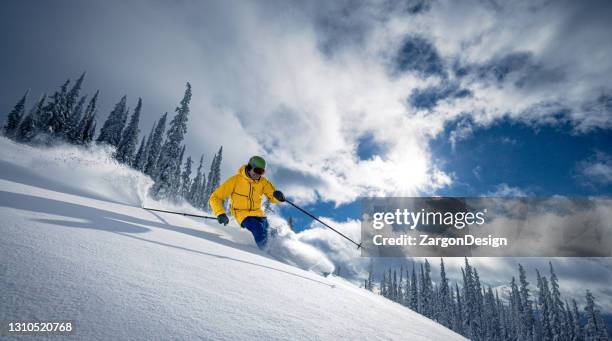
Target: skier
[245,190]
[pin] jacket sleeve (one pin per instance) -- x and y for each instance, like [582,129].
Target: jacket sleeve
[269,190]
[220,194]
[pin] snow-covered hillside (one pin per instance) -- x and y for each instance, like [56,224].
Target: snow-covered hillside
[75,245]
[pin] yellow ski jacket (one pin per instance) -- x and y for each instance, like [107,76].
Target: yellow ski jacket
[245,195]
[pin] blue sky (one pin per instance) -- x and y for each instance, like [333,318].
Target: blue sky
[536,160]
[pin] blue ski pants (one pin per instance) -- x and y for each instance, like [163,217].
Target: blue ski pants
[259,228]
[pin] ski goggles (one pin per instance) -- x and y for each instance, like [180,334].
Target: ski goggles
[259,171]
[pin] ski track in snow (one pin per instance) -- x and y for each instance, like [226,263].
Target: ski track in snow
[75,245]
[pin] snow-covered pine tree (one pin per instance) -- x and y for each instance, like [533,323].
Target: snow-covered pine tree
[490,317]
[30,125]
[186,179]
[595,328]
[425,292]
[578,330]
[170,152]
[444,303]
[369,285]
[113,126]
[140,163]
[89,130]
[394,295]
[458,323]
[470,316]
[73,95]
[214,177]
[195,192]
[478,299]
[74,120]
[154,147]
[503,317]
[414,291]
[383,285]
[176,177]
[140,154]
[544,315]
[556,307]
[516,308]
[526,319]
[400,286]
[14,117]
[129,137]
[84,134]
[73,107]
[57,111]
[568,322]
[407,289]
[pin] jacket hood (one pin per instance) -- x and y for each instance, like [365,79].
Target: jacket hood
[242,172]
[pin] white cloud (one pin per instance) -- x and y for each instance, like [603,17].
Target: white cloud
[597,169]
[505,190]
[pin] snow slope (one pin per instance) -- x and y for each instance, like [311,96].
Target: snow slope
[75,245]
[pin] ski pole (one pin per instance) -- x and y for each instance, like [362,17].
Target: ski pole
[317,219]
[180,213]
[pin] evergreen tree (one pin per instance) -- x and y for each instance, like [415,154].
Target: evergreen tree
[72,110]
[140,155]
[167,162]
[526,309]
[214,176]
[141,163]
[471,326]
[544,307]
[556,307]
[427,290]
[57,111]
[129,138]
[31,124]
[578,331]
[154,147]
[175,187]
[459,323]
[407,289]
[414,293]
[195,192]
[186,179]
[73,95]
[568,323]
[516,308]
[492,328]
[400,293]
[113,126]
[478,299]
[89,130]
[14,117]
[595,328]
[383,285]
[86,127]
[369,285]
[74,120]
[394,294]
[444,302]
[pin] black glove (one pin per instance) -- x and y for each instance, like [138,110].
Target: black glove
[223,219]
[279,196]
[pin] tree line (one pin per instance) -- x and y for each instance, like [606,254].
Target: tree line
[68,116]
[478,313]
